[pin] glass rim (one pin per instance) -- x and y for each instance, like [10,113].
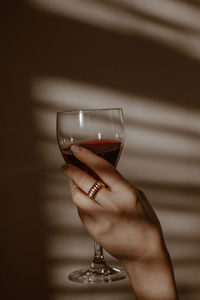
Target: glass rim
[88,110]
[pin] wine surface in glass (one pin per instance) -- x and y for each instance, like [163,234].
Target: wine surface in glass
[108,149]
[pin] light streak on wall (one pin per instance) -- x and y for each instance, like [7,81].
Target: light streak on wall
[107,15]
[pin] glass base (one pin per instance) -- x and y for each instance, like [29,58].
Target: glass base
[97,275]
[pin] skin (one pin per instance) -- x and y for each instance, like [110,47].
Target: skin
[121,219]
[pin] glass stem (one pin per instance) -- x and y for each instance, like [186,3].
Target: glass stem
[98,261]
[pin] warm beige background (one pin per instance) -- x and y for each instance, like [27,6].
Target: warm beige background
[141,55]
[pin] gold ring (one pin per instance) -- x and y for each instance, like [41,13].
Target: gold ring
[95,188]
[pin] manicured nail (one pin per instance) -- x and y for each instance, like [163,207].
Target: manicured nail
[75,148]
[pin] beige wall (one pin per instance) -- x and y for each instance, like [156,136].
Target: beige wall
[143,57]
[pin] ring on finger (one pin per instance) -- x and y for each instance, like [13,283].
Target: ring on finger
[95,188]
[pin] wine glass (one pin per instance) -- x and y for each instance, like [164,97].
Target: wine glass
[101,131]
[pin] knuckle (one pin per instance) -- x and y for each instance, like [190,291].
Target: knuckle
[130,201]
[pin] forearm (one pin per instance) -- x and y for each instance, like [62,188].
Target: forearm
[152,279]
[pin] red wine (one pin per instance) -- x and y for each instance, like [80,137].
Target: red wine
[107,149]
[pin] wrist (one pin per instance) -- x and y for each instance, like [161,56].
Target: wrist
[152,278]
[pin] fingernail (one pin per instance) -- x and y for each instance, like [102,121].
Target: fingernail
[75,148]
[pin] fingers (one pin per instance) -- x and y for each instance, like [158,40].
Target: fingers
[100,166]
[84,182]
[121,196]
[80,177]
[80,199]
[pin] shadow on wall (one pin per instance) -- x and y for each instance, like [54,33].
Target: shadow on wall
[37,43]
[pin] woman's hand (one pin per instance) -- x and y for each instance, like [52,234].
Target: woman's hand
[121,219]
